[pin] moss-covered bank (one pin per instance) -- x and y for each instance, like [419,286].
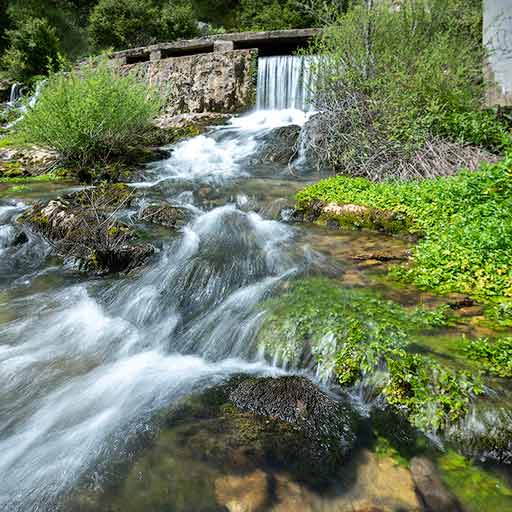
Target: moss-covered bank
[464,224]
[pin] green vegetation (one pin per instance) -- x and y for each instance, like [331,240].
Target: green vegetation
[353,334]
[466,221]
[400,91]
[34,49]
[495,357]
[122,24]
[479,490]
[91,115]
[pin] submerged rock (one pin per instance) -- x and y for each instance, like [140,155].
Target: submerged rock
[431,487]
[82,226]
[165,215]
[298,402]
[239,427]
[280,145]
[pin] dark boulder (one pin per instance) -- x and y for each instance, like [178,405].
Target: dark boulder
[279,145]
[298,402]
[82,226]
[166,215]
[240,426]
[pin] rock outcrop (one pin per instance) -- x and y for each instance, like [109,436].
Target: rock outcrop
[279,145]
[165,215]
[82,227]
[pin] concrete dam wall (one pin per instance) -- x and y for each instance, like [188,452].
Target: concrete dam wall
[217,74]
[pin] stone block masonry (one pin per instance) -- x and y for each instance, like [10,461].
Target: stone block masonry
[220,81]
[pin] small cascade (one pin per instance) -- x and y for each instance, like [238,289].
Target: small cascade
[285,82]
[15,94]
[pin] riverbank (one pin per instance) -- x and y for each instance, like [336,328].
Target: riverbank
[462,225]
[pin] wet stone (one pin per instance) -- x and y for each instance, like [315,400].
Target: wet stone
[285,423]
[279,145]
[431,488]
[165,215]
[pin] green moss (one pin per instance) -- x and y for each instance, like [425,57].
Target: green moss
[466,221]
[33,179]
[478,489]
[353,334]
[384,449]
[495,357]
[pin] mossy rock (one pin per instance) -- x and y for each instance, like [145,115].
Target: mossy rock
[81,226]
[355,216]
[228,429]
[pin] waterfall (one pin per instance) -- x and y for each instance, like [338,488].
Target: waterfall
[285,82]
[15,94]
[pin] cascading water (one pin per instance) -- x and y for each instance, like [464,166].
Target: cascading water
[84,362]
[15,94]
[285,82]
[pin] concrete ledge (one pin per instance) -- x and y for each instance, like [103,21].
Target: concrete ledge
[271,42]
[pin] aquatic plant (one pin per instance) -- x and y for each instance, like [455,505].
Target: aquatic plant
[351,334]
[466,221]
[494,356]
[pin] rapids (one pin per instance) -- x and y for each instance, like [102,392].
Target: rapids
[87,363]
[84,362]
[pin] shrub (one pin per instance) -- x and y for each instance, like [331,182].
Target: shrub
[392,83]
[272,15]
[122,24]
[34,49]
[91,113]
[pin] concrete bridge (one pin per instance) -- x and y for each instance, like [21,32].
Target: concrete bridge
[278,42]
[210,74]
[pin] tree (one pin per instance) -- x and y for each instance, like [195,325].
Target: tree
[122,24]
[34,48]
[177,22]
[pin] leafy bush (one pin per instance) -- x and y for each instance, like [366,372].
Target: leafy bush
[34,49]
[272,15]
[122,24]
[63,15]
[89,114]
[392,83]
[466,221]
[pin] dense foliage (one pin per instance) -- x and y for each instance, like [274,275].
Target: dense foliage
[89,115]
[123,24]
[393,84]
[354,335]
[82,26]
[465,220]
[34,49]
[494,356]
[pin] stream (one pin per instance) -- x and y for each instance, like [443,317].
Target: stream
[86,363]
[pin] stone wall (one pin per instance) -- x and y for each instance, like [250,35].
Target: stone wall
[498,43]
[220,81]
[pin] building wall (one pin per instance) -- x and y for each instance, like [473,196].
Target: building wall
[220,81]
[497,37]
